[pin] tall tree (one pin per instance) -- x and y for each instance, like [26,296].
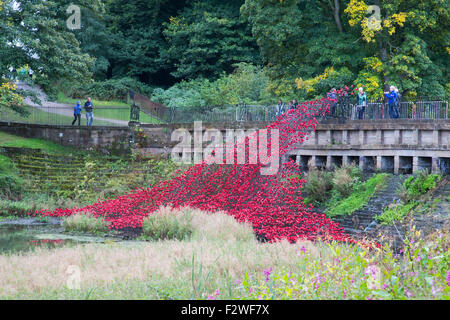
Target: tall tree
[207,38]
[36,34]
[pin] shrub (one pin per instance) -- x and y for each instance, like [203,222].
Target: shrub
[360,197]
[10,182]
[85,222]
[415,186]
[317,186]
[167,224]
[184,223]
[344,180]
[355,273]
[395,213]
[112,89]
[219,226]
[17,208]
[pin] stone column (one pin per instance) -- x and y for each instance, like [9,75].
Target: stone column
[361,137]
[379,164]
[397,137]
[344,160]
[329,136]
[344,136]
[436,139]
[417,137]
[415,166]
[396,164]
[362,165]
[314,161]
[379,137]
[328,164]
[434,165]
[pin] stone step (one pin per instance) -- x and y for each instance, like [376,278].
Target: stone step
[365,217]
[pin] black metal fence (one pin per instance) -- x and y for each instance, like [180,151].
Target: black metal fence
[103,116]
[418,108]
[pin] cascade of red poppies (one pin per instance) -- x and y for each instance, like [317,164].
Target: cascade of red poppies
[271,203]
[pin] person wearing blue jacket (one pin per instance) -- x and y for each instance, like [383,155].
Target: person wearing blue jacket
[77,113]
[392,101]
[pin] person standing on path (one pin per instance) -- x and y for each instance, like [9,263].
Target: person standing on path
[77,113]
[89,108]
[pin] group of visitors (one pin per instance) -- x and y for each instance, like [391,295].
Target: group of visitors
[22,73]
[393,97]
[282,108]
[88,107]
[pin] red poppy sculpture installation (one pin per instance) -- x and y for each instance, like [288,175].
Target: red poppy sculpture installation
[271,203]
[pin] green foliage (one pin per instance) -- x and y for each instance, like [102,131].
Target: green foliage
[396,213]
[9,140]
[112,89]
[206,38]
[356,273]
[10,182]
[167,225]
[246,85]
[58,51]
[301,39]
[319,183]
[360,197]
[345,179]
[415,186]
[16,208]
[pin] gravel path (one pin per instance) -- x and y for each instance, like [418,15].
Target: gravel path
[55,107]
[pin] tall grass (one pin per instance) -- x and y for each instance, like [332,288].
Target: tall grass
[85,222]
[185,223]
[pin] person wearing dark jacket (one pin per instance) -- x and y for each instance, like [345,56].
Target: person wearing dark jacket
[77,113]
[89,108]
[294,104]
[280,108]
[333,97]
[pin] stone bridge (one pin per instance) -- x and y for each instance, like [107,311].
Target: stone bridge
[397,146]
[400,146]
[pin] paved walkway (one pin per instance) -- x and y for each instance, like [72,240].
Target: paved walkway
[55,107]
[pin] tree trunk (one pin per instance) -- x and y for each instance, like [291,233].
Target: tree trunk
[337,18]
[336,8]
[383,54]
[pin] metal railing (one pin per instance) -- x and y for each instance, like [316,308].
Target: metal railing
[103,116]
[419,108]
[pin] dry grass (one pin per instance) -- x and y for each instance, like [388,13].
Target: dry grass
[85,222]
[221,246]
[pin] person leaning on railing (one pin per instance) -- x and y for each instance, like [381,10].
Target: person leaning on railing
[333,97]
[392,101]
[280,108]
[361,103]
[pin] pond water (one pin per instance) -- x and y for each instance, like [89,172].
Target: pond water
[23,235]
